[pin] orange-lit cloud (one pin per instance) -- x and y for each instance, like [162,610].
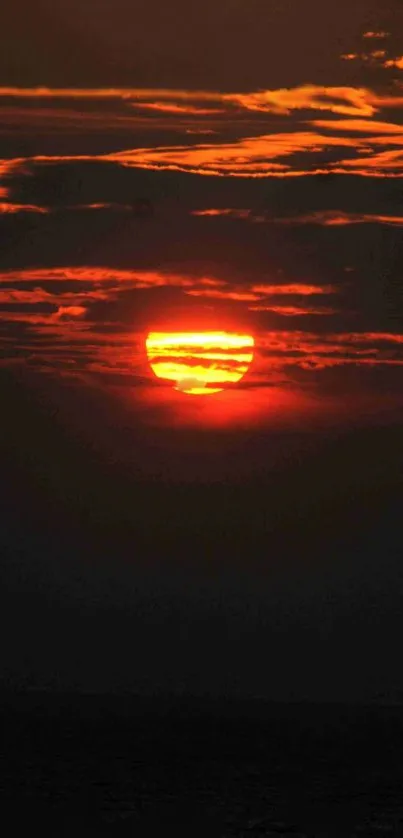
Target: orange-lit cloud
[12,209]
[120,93]
[373,57]
[337,218]
[344,343]
[376,56]
[115,206]
[377,163]
[200,131]
[13,295]
[364,126]
[380,34]
[266,155]
[368,337]
[69,312]
[172,108]
[395,62]
[138,279]
[347,100]
[108,282]
[254,156]
[231,213]
[259,294]
[325,218]
[293,311]
[242,296]
[296,288]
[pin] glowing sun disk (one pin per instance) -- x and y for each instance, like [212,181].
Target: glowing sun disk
[199,363]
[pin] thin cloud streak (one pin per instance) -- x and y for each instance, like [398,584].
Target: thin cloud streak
[337,218]
[346,100]
[380,34]
[12,209]
[325,218]
[294,311]
[364,126]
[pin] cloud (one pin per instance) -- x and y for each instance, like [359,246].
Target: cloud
[293,311]
[308,350]
[190,383]
[126,94]
[326,218]
[300,288]
[172,108]
[379,164]
[352,101]
[230,213]
[346,99]
[245,153]
[337,218]
[259,293]
[68,312]
[248,156]
[362,126]
[102,274]
[376,57]
[218,294]
[395,62]
[380,34]
[10,208]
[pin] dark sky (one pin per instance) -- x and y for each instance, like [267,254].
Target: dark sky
[230,45]
[235,166]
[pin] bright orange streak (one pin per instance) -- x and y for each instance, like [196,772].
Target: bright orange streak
[14,208]
[212,360]
[395,62]
[178,109]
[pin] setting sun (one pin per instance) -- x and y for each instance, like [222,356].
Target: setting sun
[199,363]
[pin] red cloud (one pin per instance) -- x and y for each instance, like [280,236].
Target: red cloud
[68,312]
[395,62]
[10,208]
[292,311]
[242,296]
[184,110]
[379,34]
[232,213]
[296,288]
[337,218]
[138,279]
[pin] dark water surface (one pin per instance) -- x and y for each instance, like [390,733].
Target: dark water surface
[86,765]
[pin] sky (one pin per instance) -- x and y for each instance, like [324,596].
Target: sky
[235,166]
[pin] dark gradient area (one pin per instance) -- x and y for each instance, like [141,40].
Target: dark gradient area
[123,574]
[124,765]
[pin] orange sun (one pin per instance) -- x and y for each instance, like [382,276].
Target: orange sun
[199,363]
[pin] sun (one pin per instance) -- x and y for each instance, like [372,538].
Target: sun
[199,363]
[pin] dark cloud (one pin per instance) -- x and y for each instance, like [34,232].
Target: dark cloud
[85,183]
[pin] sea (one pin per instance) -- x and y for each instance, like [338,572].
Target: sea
[89,764]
